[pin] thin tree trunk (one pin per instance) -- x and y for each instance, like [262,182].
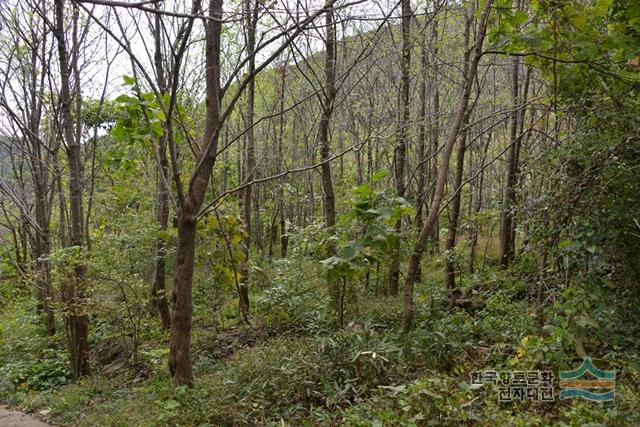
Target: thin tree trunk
[335,288]
[407,313]
[280,163]
[540,291]
[41,250]
[478,207]
[422,131]
[325,143]
[508,201]
[42,237]
[400,152]
[180,343]
[42,203]
[434,126]
[76,320]
[521,140]
[158,287]
[454,214]
[251,20]
[63,234]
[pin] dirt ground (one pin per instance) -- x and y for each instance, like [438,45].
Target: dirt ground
[9,418]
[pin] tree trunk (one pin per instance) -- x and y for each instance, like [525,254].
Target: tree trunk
[407,313]
[454,213]
[508,201]
[521,141]
[335,288]
[76,320]
[400,152]
[179,346]
[41,250]
[325,144]
[280,163]
[434,126]
[474,231]
[158,287]
[422,169]
[251,21]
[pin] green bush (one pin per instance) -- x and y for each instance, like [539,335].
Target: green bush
[51,370]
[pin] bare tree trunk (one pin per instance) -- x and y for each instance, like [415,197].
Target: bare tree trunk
[325,144]
[180,344]
[521,140]
[191,202]
[42,238]
[478,207]
[41,250]
[407,313]
[508,201]
[400,152]
[280,163]
[251,21]
[335,288]
[422,169]
[40,174]
[76,320]
[542,279]
[159,288]
[454,214]
[434,125]
[63,234]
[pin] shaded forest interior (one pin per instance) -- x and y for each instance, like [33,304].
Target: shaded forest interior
[318,213]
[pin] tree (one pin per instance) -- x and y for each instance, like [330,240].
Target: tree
[158,287]
[400,151]
[77,321]
[454,130]
[24,104]
[454,213]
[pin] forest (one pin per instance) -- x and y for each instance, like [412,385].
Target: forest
[319,212]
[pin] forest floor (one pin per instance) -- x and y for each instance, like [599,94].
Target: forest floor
[9,418]
[290,367]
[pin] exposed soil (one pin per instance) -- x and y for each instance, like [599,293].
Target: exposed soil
[10,418]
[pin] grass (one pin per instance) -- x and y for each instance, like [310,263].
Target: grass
[294,369]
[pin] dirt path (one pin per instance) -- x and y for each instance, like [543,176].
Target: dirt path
[9,418]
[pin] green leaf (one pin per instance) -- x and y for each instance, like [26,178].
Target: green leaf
[119,132]
[128,80]
[171,405]
[519,18]
[125,99]
[379,175]
[585,321]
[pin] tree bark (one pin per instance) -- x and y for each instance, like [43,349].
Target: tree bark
[325,143]
[508,201]
[280,163]
[434,127]
[76,320]
[180,343]
[422,129]
[454,213]
[158,288]
[400,152]
[407,313]
[329,92]
[478,206]
[251,21]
